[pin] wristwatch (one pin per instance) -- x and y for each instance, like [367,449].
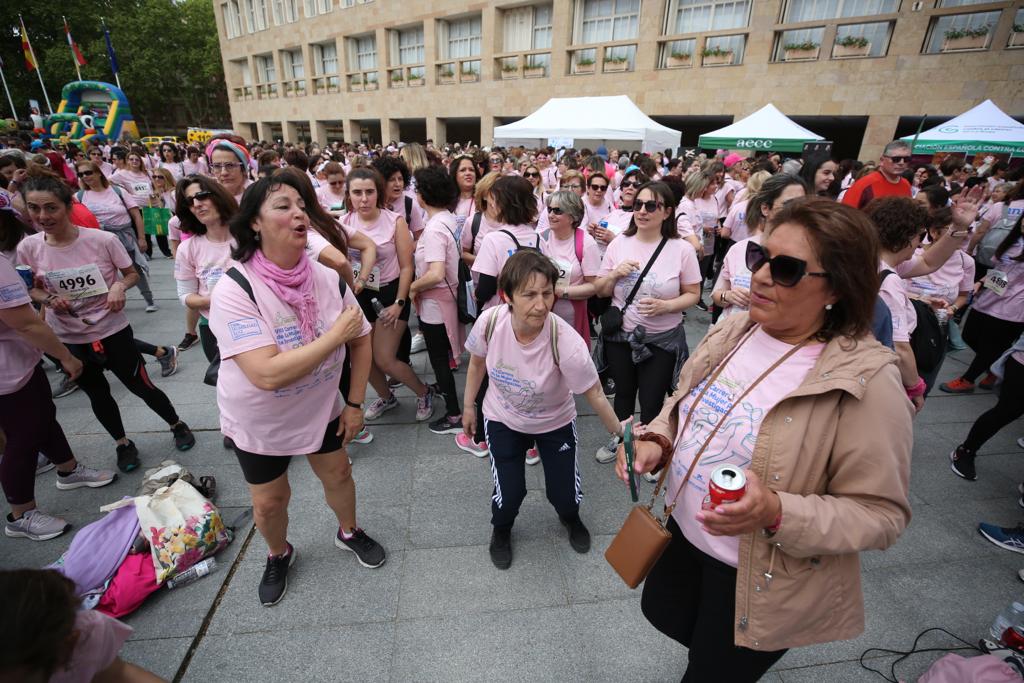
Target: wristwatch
[400,302]
[350,404]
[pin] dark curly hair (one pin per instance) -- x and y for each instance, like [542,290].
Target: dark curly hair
[321,221]
[252,201]
[897,221]
[37,622]
[436,188]
[453,166]
[515,201]
[388,166]
[222,200]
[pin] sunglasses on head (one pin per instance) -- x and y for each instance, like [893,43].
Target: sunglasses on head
[899,159]
[786,271]
[598,188]
[648,206]
[199,196]
[529,174]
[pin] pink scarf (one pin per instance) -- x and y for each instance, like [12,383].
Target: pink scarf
[295,287]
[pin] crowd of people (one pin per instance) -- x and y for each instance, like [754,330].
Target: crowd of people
[305,273]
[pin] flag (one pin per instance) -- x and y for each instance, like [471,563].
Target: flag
[79,59]
[110,49]
[26,47]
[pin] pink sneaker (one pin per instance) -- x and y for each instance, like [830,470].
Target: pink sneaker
[532,456]
[467,444]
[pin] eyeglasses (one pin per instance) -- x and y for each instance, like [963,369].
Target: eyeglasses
[786,271]
[225,167]
[899,159]
[629,183]
[198,197]
[649,206]
[85,173]
[556,211]
[531,175]
[598,188]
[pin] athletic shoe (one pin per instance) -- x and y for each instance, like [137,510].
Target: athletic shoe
[184,439]
[36,526]
[152,308]
[447,424]
[274,583]
[532,456]
[608,452]
[43,464]
[425,405]
[579,537]
[961,461]
[1020,442]
[467,444]
[501,548]
[169,362]
[127,457]
[609,388]
[379,406]
[651,477]
[369,553]
[364,436]
[958,386]
[188,341]
[1004,537]
[418,343]
[393,383]
[1020,501]
[701,305]
[988,383]
[67,386]
[84,476]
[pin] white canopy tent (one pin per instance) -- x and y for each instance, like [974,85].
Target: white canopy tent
[985,128]
[765,129]
[589,122]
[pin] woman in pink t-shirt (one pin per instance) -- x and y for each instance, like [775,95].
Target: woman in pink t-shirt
[194,163]
[597,202]
[162,197]
[229,164]
[697,220]
[331,192]
[282,325]
[644,356]
[396,176]
[535,363]
[532,174]
[483,220]
[82,276]
[434,291]
[170,159]
[618,219]
[465,173]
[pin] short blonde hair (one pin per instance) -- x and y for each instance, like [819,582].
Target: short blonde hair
[483,188]
[755,181]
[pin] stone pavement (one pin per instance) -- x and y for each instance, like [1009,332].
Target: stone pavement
[439,611]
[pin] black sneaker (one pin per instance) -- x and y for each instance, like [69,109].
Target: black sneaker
[448,424]
[501,548]
[701,305]
[369,553]
[187,342]
[66,387]
[274,583]
[961,461]
[579,537]
[184,439]
[127,457]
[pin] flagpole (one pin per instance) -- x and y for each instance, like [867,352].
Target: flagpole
[6,90]
[39,71]
[74,57]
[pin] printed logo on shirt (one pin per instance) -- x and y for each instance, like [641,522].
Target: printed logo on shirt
[13,292]
[516,395]
[244,328]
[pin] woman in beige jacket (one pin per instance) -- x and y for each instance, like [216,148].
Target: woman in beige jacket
[799,396]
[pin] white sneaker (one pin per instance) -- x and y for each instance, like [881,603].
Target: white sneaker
[42,464]
[607,452]
[152,308]
[418,343]
[651,477]
[364,436]
[379,406]
[532,456]
[84,476]
[37,526]
[425,405]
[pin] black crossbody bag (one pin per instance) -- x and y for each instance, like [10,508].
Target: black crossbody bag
[611,319]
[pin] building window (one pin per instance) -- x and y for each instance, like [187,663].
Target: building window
[961,31]
[462,37]
[255,15]
[353,3]
[265,69]
[232,19]
[315,7]
[854,36]
[692,16]
[1017,34]
[527,28]
[410,46]
[291,64]
[724,49]
[325,59]
[961,3]
[363,53]
[816,10]
[802,43]
[605,20]
[284,11]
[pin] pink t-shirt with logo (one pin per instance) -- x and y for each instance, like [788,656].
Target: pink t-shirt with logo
[1003,299]
[201,261]
[137,184]
[698,217]
[956,275]
[315,244]
[329,200]
[570,270]
[290,420]
[99,641]
[109,208]
[382,232]
[736,221]
[19,357]
[497,248]
[595,214]
[994,213]
[437,245]
[527,391]
[894,293]
[81,272]
[676,266]
[735,272]
[734,443]
[618,220]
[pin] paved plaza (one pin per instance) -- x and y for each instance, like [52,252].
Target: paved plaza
[439,611]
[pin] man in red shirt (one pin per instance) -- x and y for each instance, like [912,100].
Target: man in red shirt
[886,181]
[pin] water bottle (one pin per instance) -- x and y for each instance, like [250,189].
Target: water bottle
[1013,615]
[201,569]
[377,305]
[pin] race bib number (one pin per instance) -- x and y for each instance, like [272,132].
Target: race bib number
[77,283]
[564,273]
[141,189]
[372,282]
[996,281]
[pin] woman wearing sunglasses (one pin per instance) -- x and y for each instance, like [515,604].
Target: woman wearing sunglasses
[597,202]
[532,174]
[82,276]
[162,196]
[644,356]
[697,220]
[618,219]
[170,159]
[95,155]
[331,193]
[732,290]
[800,397]
[735,225]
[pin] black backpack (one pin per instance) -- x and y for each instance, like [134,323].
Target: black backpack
[927,340]
[465,295]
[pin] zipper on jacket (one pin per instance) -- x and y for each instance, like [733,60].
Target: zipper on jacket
[771,565]
[763,474]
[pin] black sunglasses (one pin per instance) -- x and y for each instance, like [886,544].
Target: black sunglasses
[786,271]
[629,183]
[598,188]
[648,206]
[531,175]
[85,173]
[556,211]
[199,196]
[898,160]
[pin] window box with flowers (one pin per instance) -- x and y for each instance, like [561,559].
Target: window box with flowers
[583,65]
[616,64]
[397,79]
[678,60]
[851,46]
[469,75]
[716,56]
[371,82]
[356,83]
[800,52]
[414,80]
[1017,37]
[965,39]
[446,76]
[533,72]
[509,71]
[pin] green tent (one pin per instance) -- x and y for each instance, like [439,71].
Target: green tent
[767,129]
[983,129]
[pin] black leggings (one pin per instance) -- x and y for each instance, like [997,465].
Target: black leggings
[691,598]
[438,348]
[1009,408]
[120,356]
[161,241]
[989,337]
[29,420]
[652,379]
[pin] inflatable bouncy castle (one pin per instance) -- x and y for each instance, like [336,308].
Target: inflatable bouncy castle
[91,111]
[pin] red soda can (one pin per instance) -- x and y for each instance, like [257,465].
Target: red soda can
[1013,638]
[727,485]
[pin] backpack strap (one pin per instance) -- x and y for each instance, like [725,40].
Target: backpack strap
[79,195]
[408,210]
[554,338]
[579,245]
[242,282]
[513,238]
[475,230]
[491,322]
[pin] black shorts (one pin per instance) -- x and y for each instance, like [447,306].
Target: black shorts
[263,469]
[386,296]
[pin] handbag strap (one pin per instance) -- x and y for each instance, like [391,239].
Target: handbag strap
[643,274]
[669,507]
